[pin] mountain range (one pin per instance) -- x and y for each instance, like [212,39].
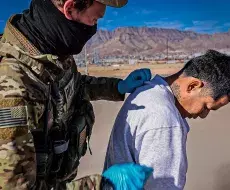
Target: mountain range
[147,41]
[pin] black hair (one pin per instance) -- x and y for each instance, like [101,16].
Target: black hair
[214,68]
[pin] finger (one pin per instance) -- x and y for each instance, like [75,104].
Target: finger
[135,74]
[138,176]
[141,75]
[144,74]
[148,74]
[148,171]
[138,83]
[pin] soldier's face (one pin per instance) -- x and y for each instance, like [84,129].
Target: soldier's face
[88,16]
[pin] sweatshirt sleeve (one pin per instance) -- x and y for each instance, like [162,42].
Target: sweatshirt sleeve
[163,149]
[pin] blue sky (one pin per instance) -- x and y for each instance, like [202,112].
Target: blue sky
[203,16]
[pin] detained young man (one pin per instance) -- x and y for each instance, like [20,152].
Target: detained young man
[151,127]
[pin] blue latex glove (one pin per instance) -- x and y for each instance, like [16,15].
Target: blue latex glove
[128,176]
[134,80]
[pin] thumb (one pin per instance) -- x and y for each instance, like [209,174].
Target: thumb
[147,170]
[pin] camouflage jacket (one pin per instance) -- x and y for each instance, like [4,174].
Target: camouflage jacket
[25,75]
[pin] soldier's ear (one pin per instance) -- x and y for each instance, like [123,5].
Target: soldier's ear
[67,9]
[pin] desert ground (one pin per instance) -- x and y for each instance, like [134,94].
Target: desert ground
[122,71]
[207,144]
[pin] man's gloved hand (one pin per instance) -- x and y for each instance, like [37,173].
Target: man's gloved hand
[128,176]
[134,80]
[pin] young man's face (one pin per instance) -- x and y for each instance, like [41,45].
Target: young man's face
[88,16]
[196,99]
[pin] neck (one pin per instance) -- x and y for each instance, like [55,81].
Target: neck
[58,6]
[174,83]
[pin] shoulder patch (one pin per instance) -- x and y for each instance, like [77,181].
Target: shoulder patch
[13,116]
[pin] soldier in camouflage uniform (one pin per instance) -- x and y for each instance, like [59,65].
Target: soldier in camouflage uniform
[46,118]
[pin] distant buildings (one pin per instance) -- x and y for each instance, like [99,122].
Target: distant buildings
[170,58]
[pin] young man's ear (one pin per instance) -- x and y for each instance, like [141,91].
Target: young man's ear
[194,84]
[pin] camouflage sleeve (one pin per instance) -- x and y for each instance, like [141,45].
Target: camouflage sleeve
[102,88]
[92,182]
[17,118]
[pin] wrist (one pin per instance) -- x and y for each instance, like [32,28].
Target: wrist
[120,87]
[106,184]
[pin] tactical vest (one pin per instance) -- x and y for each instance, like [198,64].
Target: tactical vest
[66,132]
[68,121]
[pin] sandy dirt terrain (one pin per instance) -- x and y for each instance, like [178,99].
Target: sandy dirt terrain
[123,70]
